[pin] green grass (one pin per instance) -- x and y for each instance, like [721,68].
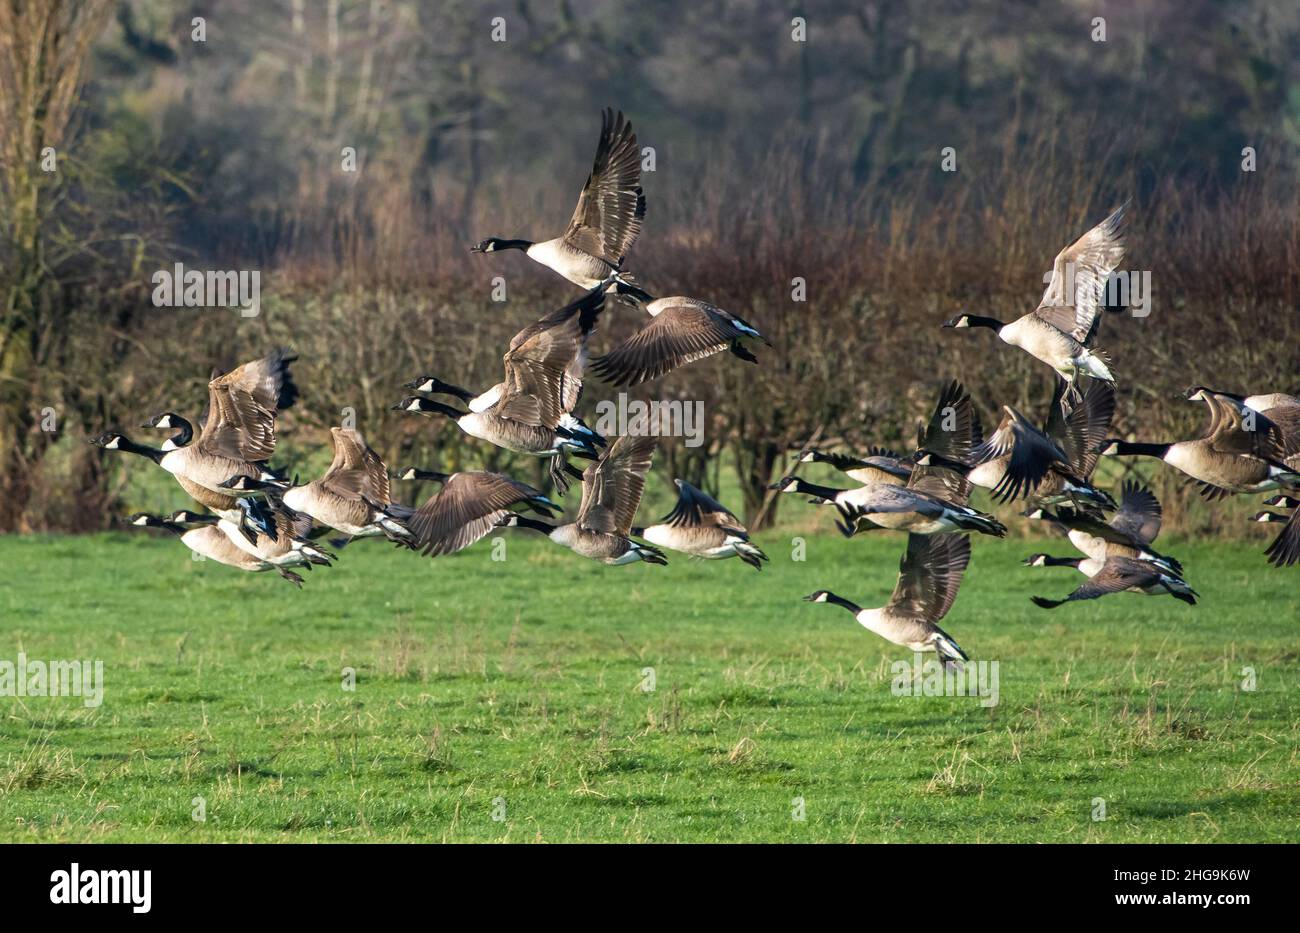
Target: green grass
[519,680]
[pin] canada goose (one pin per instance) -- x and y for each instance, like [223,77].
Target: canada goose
[929,576]
[289,547]
[1129,533]
[944,452]
[529,411]
[611,492]
[211,542]
[1053,464]
[238,437]
[1060,330]
[1285,549]
[701,526]
[244,512]
[606,221]
[681,330]
[880,465]
[345,497]
[1233,456]
[1126,575]
[469,506]
[895,507]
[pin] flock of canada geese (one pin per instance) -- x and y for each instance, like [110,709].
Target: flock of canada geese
[259,520]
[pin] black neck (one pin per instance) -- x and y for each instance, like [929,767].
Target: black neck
[131,447]
[523,521]
[1125,448]
[841,601]
[438,408]
[464,395]
[1061,561]
[974,320]
[812,489]
[511,244]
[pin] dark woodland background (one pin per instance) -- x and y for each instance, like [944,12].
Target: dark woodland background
[775,159]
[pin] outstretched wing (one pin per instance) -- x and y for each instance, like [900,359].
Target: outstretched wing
[608,217]
[1139,513]
[954,431]
[1090,259]
[1032,453]
[242,406]
[466,510]
[929,575]
[356,472]
[612,486]
[683,332]
[545,362]
[696,507]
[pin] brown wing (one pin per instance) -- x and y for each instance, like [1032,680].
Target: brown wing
[466,510]
[940,482]
[683,332]
[545,363]
[1233,431]
[1117,575]
[929,575]
[612,486]
[608,217]
[1139,513]
[242,406]
[356,471]
[954,430]
[696,508]
[1032,452]
[1081,427]
[1093,257]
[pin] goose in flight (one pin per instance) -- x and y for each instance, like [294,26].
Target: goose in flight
[900,508]
[1129,533]
[1060,331]
[351,497]
[701,526]
[1123,575]
[470,505]
[611,492]
[237,438]
[530,410]
[681,330]
[929,576]
[1240,452]
[606,221]
[945,448]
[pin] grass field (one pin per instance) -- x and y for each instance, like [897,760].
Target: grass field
[515,688]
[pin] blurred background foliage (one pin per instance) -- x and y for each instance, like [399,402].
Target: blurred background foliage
[774,159]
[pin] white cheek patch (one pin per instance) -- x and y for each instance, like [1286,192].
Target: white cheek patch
[169,444]
[113,444]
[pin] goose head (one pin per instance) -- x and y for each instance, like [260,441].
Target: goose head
[820,596]
[786,484]
[1035,560]
[145,520]
[110,440]
[187,517]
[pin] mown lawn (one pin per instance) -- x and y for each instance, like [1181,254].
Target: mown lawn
[514,689]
